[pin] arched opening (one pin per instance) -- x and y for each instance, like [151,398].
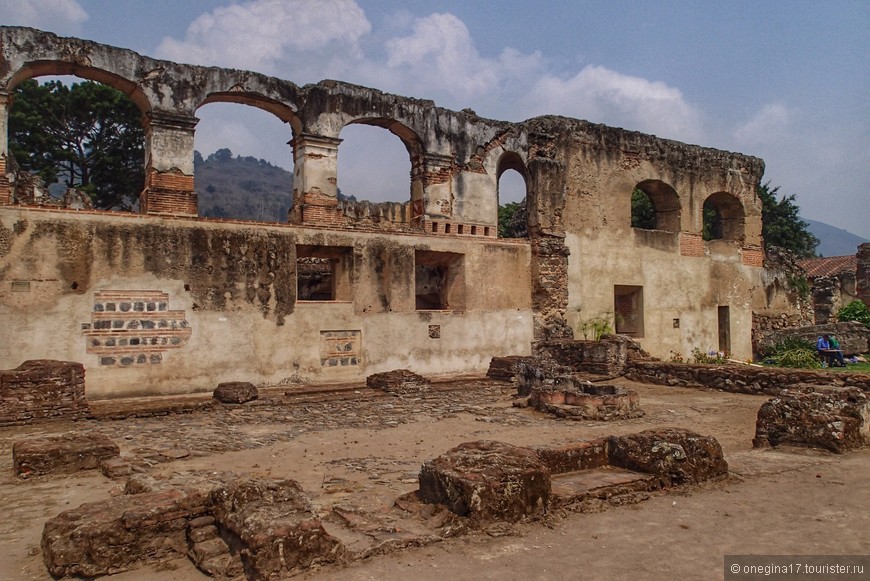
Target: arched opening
[512,189]
[75,142]
[655,206]
[723,217]
[373,165]
[243,166]
[374,170]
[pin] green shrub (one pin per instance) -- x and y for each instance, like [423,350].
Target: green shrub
[596,327]
[788,344]
[799,358]
[855,311]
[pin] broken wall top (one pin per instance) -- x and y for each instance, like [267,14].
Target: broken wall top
[165,88]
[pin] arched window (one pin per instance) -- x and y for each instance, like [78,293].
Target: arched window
[76,143]
[243,167]
[723,217]
[512,200]
[373,165]
[655,206]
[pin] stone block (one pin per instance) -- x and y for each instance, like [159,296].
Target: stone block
[572,457]
[42,390]
[398,381]
[578,400]
[487,481]
[62,454]
[677,456]
[506,368]
[275,527]
[835,419]
[236,392]
[119,534]
[116,467]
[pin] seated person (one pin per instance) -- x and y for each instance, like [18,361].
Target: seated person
[823,347]
[836,352]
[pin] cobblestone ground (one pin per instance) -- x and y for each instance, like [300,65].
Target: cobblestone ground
[352,447]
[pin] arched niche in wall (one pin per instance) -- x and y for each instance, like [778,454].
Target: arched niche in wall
[76,140]
[512,193]
[655,205]
[243,165]
[723,217]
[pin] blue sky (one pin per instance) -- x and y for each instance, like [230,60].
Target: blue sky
[788,81]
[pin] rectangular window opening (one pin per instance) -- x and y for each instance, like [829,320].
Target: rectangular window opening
[323,273]
[628,310]
[439,280]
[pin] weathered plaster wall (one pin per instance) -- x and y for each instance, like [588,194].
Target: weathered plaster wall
[684,287]
[154,305]
[230,312]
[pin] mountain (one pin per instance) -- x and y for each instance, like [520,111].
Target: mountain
[834,241]
[244,188]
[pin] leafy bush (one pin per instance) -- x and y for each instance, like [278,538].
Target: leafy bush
[596,327]
[676,357]
[788,344]
[800,358]
[855,311]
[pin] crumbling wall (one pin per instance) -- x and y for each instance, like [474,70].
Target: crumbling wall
[579,175]
[43,390]
[862,273]
[155,306]
[854,337]
[739,379]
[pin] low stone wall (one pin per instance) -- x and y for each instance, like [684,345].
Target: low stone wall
[739,378]
[854,337]
[488,480]
[828,418]
[605,357]
[43,389]
[62,454]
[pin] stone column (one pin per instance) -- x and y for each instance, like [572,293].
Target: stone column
[5,186]
[315,188]
[434,174]
[169,165]
[862,273]
[549,268]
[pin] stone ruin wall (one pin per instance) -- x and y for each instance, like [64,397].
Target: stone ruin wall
[862,273]
[579,179]
[42,390]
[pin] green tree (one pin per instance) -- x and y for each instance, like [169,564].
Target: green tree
[643,214]
[87,135]
[505,215]
[781,223]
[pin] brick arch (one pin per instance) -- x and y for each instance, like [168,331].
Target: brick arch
[665,202]
[409,137]
[281,110]
[730,217]
[43,68]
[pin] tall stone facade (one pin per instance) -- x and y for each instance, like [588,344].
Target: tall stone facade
[424,284]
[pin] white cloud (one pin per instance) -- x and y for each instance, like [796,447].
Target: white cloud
[259,34]
[601,95]
[61,16]
[439,57]
[768,124]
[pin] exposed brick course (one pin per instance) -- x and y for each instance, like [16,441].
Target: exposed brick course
[42,389]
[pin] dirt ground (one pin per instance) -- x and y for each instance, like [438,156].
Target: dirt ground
[363,448]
